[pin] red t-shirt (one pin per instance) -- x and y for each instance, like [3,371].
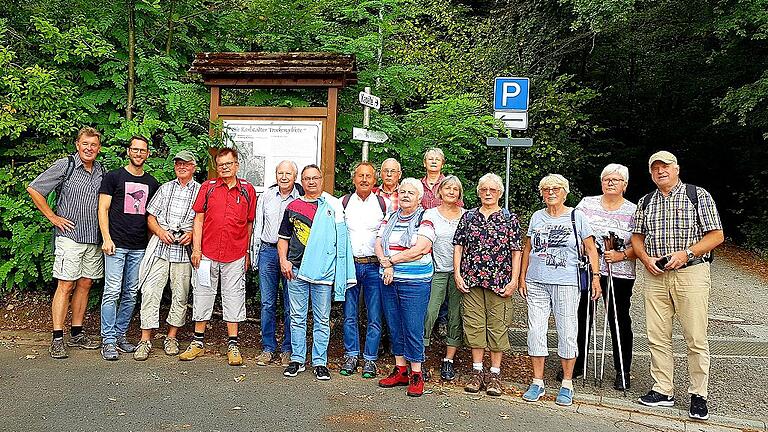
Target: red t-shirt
[227,217]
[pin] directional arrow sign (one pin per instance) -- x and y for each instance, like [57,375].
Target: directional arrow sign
[513,120]
[508,142]
[369,100]
[368,135]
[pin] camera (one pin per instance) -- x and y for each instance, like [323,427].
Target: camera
[661,262]
[177,236]
[614,242]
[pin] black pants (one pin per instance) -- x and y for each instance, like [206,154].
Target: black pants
[623,290]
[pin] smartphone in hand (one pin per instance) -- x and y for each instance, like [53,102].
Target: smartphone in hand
[661,262]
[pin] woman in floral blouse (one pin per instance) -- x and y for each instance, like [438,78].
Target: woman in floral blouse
[486,260]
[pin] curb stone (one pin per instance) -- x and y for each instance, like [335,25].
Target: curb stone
[674,418]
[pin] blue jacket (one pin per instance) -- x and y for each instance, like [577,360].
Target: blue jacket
[328,258]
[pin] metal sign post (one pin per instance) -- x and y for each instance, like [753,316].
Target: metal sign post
[510,104]
[368,101]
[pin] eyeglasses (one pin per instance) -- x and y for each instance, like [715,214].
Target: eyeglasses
[390,171]
[183,163]
[136,150]
[551,190]
[225,165]
[484,190]
[610,181]
[311,179]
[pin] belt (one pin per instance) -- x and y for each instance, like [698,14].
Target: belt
[693,262]
[274,245]
[367,260]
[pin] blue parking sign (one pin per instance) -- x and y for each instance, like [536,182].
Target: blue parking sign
[510,94]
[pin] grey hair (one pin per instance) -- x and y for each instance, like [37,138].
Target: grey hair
[293,165]
[616,168]
[436,151]
[555,180]
[491,178]
[399,167]
[416,184]
[449,180]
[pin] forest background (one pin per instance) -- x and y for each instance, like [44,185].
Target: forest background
[611,81]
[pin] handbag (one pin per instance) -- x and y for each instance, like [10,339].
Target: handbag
[583,267]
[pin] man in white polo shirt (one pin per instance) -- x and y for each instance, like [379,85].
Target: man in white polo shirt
[364,212]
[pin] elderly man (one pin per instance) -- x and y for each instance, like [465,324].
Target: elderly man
[76,180]
[224,211]
[390,180]
[167,255]
[676,228]
[434,159]
[123,199]
[312,246]
[363,212]
[269,214]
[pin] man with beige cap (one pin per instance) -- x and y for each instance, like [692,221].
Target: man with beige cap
[167,255]
[676,228]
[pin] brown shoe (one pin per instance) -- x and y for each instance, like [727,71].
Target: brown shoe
[475,383]
[234,358]
[493,387]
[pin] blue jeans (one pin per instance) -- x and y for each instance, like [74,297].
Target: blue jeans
[121,283]
[368,279]
[405,308]
[269,278]
[299,294]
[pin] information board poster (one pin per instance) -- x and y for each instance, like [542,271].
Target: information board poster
[262,144]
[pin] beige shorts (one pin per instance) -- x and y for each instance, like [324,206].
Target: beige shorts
[232,277]
[486,317]
[75,260]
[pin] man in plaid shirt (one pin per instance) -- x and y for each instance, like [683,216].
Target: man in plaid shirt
[676,228]
[167,256]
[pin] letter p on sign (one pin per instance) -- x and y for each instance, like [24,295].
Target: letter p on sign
[510,94]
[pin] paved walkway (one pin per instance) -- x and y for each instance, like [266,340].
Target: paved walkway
[738,328]
[84,393]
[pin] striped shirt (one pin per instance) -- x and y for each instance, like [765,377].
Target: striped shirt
[670,223]
[172,206]
[412,271]
[78,200]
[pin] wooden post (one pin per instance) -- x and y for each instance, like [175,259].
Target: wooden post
[213,117]
[329,150]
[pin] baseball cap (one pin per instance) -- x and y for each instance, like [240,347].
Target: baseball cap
[664,156]
[186,156]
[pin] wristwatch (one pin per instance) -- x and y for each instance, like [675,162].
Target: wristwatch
[690,254]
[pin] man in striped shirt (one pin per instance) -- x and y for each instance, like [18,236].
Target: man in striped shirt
[676,228]
[78,260]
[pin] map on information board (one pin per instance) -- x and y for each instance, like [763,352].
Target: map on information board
[262,144]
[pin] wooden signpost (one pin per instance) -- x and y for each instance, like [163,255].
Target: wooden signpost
[283,71]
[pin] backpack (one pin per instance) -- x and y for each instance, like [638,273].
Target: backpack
[243,192]
[382,203]
[693,197]
[54,195]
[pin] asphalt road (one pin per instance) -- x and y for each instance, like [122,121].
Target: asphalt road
[85,393]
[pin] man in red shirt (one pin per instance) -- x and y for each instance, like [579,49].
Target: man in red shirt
[390,180]
[225,208]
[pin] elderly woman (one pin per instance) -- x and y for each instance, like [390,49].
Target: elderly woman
[403,246]
[445,218]
[549,282]
[486,260]
[611,213]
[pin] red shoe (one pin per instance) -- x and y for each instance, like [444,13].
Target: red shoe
[416,386]
[398,377]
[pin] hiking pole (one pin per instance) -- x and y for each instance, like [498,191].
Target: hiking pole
[586,337]
[605,319]
[616,320]
[594,339]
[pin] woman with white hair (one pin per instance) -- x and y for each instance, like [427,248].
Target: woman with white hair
[549,282]
[446,218]
[486,261]
[404,249]
[611,213]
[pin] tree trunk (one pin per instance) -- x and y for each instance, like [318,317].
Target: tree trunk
[131,88]
[170,28]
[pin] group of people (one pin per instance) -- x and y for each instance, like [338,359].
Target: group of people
[407,246]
